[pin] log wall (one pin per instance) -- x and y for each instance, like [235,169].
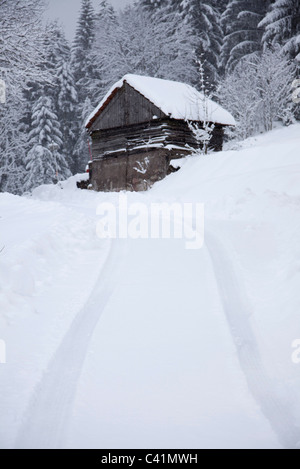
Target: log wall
[128,107]
[134,141]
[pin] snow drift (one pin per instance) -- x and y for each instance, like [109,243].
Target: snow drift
[144,344]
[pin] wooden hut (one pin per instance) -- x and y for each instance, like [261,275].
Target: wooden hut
[141,125]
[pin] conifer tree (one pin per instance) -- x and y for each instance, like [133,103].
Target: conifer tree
[204,17]
[13,143]
[81,151]
[151,5]
[282,26]
[21,45]
[82,64]
[106,25]
[45,162]
[243,35]
[67,105]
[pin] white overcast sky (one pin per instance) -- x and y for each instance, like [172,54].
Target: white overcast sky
[67,12]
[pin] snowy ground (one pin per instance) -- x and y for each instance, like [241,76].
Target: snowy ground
[142,343]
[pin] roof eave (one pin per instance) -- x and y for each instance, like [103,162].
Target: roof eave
[114,92]
[106,102]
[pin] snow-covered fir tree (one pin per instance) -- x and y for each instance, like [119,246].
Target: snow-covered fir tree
[39,169]
[86,76]
[105,15]
[67,105]
[45,162]
[82,149]
[82,64]
[54,50]
[282,26]
[21,46]
[204,17]
[13,143]
[45,126]
[56,45]
[105,25]
[240,22]
[63,90]
[222,5]
[57,51]
[152,5]
[60,88]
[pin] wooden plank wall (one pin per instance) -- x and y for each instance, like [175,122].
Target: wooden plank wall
[164,132]
[128,107]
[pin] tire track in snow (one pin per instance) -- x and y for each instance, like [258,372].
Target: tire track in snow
[49,410]
[238,312]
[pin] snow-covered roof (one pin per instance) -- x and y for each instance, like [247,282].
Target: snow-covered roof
[176,100]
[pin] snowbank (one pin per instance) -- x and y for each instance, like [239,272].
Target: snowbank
[50,261]
[174,348]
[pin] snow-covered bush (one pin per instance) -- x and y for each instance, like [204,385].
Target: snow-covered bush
[137,41]
[275,74]
[238,95]
[203,133]
[258,92]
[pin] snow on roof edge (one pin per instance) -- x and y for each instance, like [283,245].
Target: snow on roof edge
[177,100]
